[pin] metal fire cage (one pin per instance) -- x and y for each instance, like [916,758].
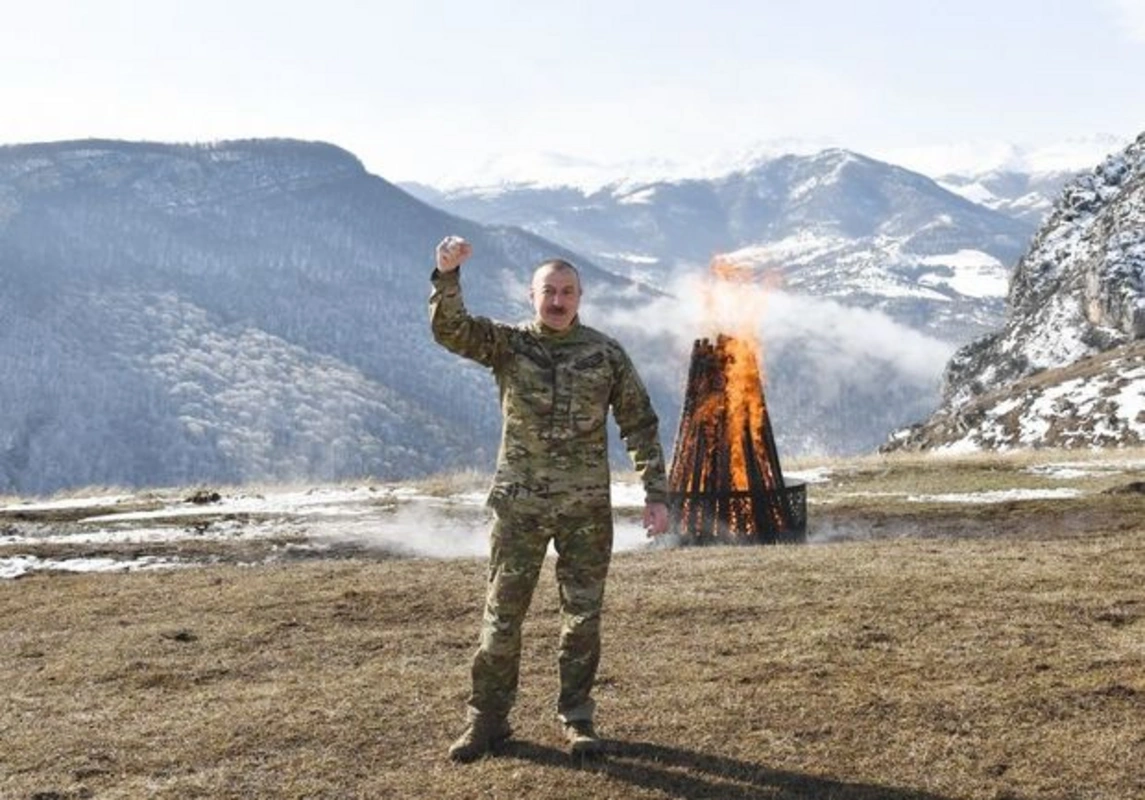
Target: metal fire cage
[705,506]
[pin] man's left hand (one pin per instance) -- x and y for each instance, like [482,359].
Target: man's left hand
[655,519]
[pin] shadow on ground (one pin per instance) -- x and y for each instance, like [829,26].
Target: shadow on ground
[686,774]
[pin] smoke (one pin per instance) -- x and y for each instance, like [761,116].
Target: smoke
[840,337]
[833,336]
[444,530]
[838,378]
[833,532]
[414,529]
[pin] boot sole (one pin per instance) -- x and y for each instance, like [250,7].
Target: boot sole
[462,757]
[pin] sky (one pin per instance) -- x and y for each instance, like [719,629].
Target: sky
[436,90]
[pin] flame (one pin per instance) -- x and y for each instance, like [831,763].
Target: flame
[735,297]
[736,303]
[723,445]
[745,406]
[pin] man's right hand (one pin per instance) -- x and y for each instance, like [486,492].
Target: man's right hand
[451,252]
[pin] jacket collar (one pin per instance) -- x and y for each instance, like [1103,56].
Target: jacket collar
[545,332]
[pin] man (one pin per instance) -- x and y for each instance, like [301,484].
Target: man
[557,379]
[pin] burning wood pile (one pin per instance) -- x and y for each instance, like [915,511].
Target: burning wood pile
[725,484]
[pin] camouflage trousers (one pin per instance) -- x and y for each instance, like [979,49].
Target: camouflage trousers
[518,542]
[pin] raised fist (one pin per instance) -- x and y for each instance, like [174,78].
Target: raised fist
[451,252]
[656,519]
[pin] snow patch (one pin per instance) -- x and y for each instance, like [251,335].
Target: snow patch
[974,192]
[801,248]
[976,274]
[814,475]
[1000,496]
[1060,472]
[19,566]
[68,503]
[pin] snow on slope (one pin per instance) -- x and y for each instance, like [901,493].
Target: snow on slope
[1096,402]
[972,273]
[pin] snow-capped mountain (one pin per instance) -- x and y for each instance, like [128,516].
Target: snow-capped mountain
[1027,196]
[235,312]
[545,169]
[1020,181]
[1075,325]
[834,224]
[250,311]
[883,274]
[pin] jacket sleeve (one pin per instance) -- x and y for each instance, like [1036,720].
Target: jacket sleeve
[476,338]
[640,430]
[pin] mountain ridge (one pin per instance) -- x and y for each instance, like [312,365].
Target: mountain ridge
[1078,293]
[833,223]
[241,250]
[255,310]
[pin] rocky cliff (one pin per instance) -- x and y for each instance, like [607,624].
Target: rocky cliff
[1076,308]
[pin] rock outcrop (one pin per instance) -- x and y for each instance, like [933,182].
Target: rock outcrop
[1077,294]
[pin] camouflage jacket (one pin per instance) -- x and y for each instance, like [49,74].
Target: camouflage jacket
[556,389]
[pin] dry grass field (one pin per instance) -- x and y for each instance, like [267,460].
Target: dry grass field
[916,649]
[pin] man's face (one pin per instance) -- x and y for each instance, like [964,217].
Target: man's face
[556,296]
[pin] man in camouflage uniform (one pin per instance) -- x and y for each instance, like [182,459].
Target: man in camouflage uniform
[557,380]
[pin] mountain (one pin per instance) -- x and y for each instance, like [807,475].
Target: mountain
[878,274]
[835,224]
[1021,181]
[1068,366]
[1097,401]
[1027,196]
[255,311]
[236,312]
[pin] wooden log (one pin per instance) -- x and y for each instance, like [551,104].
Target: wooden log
[707,503]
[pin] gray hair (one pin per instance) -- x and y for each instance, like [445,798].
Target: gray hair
[557,265]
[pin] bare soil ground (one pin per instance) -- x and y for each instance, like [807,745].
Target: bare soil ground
[921,651]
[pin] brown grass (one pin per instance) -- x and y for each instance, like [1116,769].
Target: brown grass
[452,483]
[993,651]
[913,474]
